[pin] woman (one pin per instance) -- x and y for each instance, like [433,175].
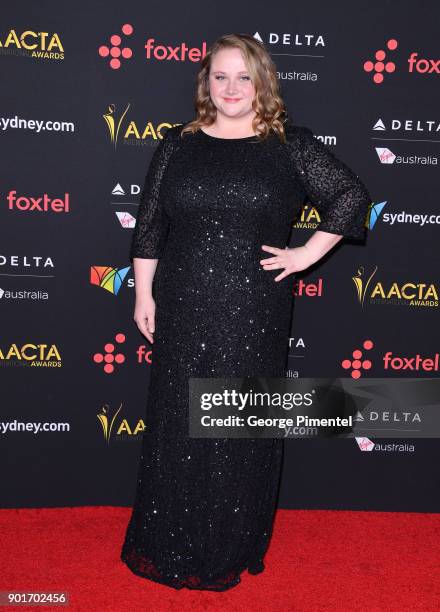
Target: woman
[220,193]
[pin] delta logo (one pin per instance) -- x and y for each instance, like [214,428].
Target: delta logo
[115,427]
[406,125]
[377,292]
[127,132]
[383,63]
[39,45]
[110,279]
[31,355]
[397,417]
[27,261]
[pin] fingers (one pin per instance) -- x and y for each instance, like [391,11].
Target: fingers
[282,275]
[269,260]
[274,266]
[277,266]
[281,260]
[269,249]
[147,328]
[273,263]
[150,324]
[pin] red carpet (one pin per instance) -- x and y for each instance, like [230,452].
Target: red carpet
[318,560]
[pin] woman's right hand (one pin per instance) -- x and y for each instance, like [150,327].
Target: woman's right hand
[144,315]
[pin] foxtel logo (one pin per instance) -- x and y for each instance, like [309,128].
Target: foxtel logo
[180,53]
[381,65]
[41,204]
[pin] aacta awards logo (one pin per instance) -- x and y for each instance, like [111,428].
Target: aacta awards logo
[414,293]
[30,354]
[123,431]
[114,122]
[133,134]
[39,45]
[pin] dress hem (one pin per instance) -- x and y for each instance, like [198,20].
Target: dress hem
[252,568]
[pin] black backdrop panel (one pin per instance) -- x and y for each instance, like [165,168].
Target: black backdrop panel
[69,193]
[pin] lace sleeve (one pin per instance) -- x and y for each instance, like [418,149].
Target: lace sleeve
[152,223]
[337,192]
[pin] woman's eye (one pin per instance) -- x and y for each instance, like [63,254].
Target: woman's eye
[219,76]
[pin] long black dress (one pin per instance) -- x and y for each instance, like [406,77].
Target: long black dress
[204,508]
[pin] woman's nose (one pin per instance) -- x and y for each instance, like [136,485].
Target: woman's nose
[231,89]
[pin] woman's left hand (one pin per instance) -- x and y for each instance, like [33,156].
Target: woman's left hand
[292,260]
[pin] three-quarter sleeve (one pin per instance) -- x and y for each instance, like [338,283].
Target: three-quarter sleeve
[339,195]
[152,223]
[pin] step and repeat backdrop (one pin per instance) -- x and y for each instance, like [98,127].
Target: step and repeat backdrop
[87,93]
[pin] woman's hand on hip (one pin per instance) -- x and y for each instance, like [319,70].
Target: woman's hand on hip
[292,260]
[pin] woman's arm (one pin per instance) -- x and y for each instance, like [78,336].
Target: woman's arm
[145,307]
[339,195]
[144,271]
[149,237]
[335,190]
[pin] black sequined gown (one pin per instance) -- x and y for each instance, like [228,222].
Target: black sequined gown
[204,508]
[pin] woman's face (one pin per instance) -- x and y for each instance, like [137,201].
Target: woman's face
[230,86]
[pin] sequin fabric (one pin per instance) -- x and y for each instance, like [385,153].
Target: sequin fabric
[204,508]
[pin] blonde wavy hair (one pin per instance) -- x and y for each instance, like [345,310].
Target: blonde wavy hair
[270,111]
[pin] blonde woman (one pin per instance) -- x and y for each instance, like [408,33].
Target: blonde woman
[214,219]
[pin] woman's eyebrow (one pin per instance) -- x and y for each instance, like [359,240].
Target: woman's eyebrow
[221,71]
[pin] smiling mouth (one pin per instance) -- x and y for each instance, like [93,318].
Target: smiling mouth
[231,99]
